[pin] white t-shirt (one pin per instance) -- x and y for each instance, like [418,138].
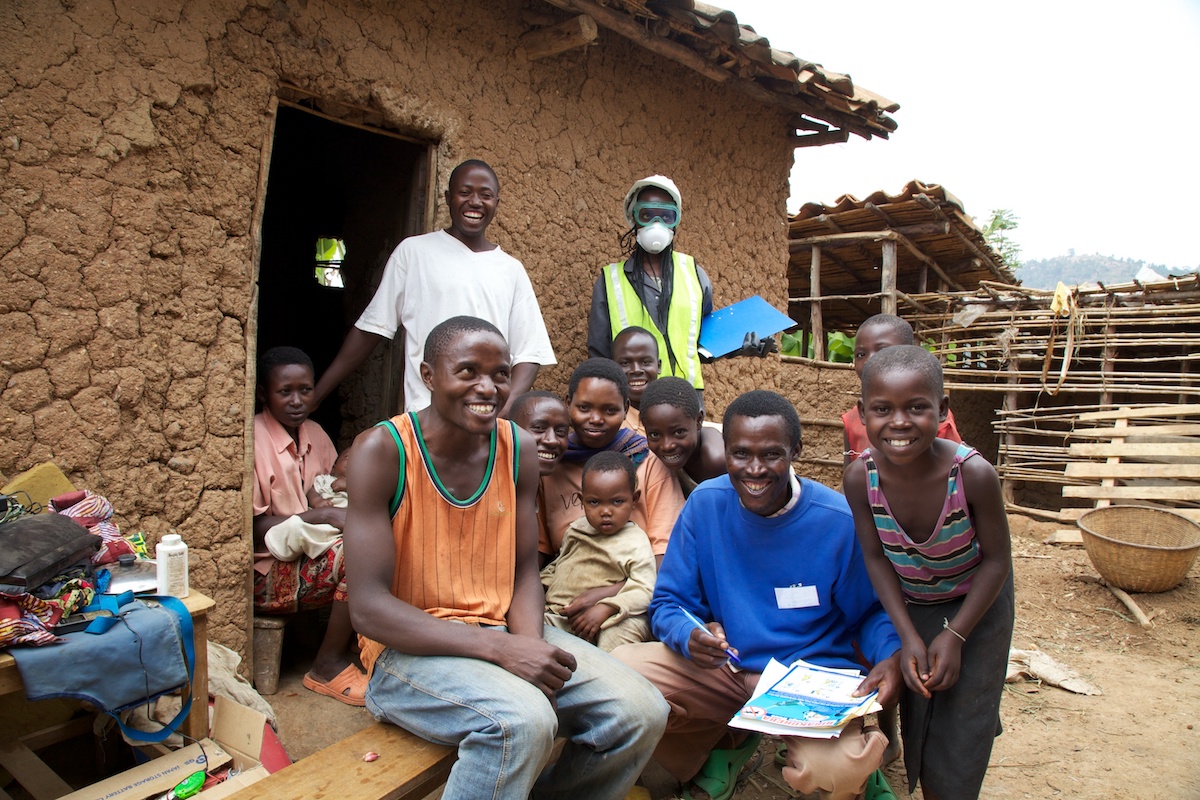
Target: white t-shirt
[432,277]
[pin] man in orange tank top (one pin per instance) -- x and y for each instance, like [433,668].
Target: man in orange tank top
[442,554]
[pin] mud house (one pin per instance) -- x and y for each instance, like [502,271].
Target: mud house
[169,167]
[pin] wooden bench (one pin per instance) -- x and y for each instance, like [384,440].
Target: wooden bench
[408,768]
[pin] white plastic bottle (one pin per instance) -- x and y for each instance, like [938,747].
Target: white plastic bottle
[172,556]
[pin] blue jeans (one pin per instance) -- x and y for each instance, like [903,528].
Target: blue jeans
[505,728]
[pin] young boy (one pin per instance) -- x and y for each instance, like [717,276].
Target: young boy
[930,517]
[877,333]
[442,508]
[600,549]
[636,352]
[290,451]
[675,432]
[597,402]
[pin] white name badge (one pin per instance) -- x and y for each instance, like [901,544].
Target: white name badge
[796,596]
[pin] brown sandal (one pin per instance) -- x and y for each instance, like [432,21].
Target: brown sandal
[350,686]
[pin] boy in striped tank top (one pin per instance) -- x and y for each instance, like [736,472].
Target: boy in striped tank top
[449,603]
[930,517]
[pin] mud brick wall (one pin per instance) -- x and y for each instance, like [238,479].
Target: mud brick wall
[133,140]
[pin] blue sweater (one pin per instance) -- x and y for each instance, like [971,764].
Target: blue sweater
[724,563]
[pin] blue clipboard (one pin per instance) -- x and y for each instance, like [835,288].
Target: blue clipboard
[724,330]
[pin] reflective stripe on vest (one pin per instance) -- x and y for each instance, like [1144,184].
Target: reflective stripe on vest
[626,308]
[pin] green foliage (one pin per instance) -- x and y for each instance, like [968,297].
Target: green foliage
[996,231]
[839,348]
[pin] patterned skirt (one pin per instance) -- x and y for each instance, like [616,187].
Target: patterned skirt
[306,583]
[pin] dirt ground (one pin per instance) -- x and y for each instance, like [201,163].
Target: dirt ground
[1137,741]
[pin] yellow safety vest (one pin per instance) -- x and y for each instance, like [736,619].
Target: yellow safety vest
[626,308]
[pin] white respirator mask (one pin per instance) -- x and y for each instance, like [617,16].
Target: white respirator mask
[655,237]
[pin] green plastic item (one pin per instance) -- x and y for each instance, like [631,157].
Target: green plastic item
[191,785]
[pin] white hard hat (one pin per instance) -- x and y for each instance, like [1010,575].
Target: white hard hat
[656,181]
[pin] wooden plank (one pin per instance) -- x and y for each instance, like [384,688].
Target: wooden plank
[1191,493]
[408,768]
[1191,409]
[1132,434]
[1066,536]
[1135,450]
[576,32]
[1088,469]
[30,771]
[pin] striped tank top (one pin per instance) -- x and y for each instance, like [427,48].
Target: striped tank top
[941,567]
[455,558]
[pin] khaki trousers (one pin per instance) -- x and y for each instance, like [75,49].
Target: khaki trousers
[702,701]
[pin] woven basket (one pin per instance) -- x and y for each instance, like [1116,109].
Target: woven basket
[1139,548]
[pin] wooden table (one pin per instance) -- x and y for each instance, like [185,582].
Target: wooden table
[17,756]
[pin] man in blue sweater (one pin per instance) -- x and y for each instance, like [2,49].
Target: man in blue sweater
[771,564]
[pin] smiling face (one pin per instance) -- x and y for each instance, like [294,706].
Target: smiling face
[608,499]
[901,413]
[472,197]
[287,394]
[759,456]
[672,435]
[870,340]
[637,354]
[546,418]
[597,410]
[469,380]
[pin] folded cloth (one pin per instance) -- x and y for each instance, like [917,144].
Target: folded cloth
[138,658]
[294,537]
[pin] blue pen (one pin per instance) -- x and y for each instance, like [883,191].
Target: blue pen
[696,621]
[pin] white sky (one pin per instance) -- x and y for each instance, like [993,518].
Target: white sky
[1081,117]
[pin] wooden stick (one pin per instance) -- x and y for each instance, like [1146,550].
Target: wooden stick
[1133,607]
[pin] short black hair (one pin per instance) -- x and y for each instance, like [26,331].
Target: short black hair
[671,391]
[281,357]
[602,368]
[610,461]
[472,162]
[519,406]
[631,331]
[445,332]
[761,403]
[905,358]
[898,326]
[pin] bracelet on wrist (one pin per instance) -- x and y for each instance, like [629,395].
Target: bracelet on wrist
[946,625]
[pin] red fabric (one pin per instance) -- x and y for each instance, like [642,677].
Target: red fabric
[856,432]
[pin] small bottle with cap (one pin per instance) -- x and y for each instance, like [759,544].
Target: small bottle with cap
[172,556]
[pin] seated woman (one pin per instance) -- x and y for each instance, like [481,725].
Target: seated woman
[677,435]
[597,400]
[290,451]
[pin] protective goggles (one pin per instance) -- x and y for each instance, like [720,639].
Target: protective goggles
[666,213]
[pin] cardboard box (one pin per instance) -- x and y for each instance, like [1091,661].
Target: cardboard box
[236,738]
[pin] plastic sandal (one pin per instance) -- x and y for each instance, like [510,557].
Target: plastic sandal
[718,777]
[350,686]
[878,788]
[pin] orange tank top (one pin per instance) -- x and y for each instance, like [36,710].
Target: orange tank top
[455,558]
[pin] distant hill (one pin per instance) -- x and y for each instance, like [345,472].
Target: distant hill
[1072,270]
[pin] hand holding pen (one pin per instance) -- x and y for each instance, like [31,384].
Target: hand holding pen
[707,644]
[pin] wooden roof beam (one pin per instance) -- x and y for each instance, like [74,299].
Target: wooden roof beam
[836,136]
[576,32]
[828,222]
[883,215]
[928,202]
[627,26]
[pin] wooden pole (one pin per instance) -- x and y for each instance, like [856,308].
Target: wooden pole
[576,32]
[887,277]
[818,325]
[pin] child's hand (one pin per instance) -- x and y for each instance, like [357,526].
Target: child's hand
[326,515]
[587,625]
[588,599]
[945,657]
[914,665]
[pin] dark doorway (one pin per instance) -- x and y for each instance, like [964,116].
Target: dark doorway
[329,180]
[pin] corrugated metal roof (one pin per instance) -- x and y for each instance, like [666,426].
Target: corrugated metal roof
[713,41]
[922,218]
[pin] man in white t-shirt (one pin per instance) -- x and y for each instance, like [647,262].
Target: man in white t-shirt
[447,273]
